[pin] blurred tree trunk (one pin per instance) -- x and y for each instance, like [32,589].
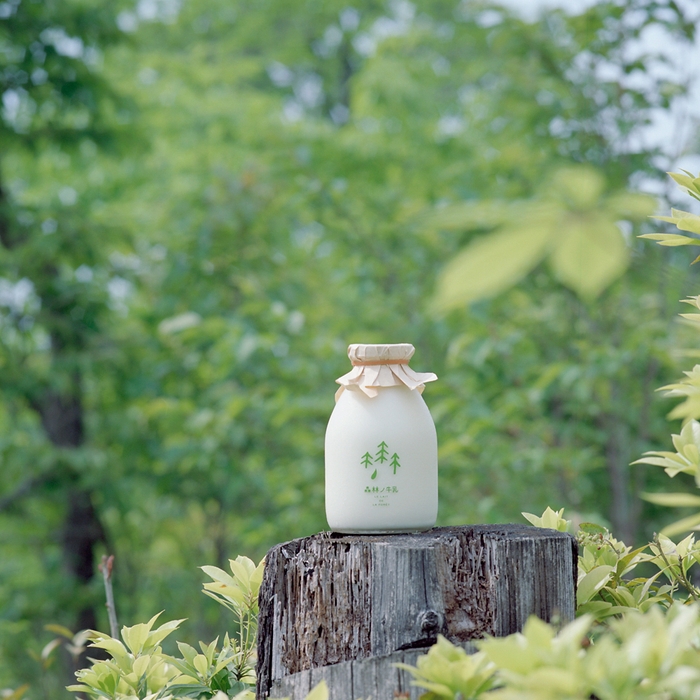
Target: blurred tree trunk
[4,223]
[623,517]
[61,416]
[62,419]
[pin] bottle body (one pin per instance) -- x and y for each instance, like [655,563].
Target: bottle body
[381,463]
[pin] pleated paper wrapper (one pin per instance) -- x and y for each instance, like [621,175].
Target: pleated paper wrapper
[379,366]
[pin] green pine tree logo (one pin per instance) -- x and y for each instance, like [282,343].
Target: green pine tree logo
[382,456]
[366,461]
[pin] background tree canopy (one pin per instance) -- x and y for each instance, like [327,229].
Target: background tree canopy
[202,204]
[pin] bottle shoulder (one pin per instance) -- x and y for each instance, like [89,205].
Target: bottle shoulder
[385,396]
[390,404]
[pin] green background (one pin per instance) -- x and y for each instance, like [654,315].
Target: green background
[202,205]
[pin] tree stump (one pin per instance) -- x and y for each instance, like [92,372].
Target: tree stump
[347,607]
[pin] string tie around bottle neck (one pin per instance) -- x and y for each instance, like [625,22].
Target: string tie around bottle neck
[374,363]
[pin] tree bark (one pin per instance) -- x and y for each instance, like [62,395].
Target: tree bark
[330,599]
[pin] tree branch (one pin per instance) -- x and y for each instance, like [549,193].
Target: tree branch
[106,569]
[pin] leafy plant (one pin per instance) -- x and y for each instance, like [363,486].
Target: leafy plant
[686,458]
[448,671]
[640,655]
[683,220]
[539,663]
[606,585]
[572,224]
[675,561]
[239,593]
[552,519]
[139,668]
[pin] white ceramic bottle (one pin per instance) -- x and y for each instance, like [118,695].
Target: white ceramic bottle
[381,446]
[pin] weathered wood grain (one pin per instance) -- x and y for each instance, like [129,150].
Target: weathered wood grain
[376,678]
[330,599]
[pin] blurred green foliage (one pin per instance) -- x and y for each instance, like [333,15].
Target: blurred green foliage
[642,655]
[201,207]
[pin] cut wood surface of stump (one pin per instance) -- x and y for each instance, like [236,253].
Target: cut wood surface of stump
[340,607]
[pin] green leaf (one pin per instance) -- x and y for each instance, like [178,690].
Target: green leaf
[693,301]
[623,597]
[48,649]
[242,568]
[551,519]
[511,653]
[592,529]
[683,525]
[686,181]
[690,223]
[581,186]
[671,239]
[233,593]
[600,609]
[201,663]
[593,607]
[674,500]
[158,635]
[629,561]
[320,692]
[219,575]
[491,264]
[61,630]
[470,215]
[589,254]
[684,220]
[113,646]
[247,695]
[632,206]
[592,582]
[256,576]
[135,637]
[188,652]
